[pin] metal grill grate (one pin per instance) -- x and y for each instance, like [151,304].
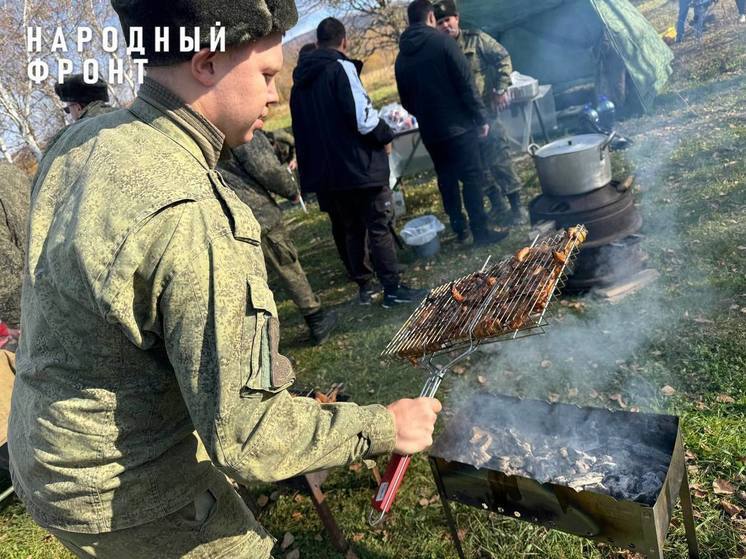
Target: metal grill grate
[506,300]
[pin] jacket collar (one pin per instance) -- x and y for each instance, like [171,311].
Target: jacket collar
[165,111]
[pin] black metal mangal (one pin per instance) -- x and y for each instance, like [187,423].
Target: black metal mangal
[612,477]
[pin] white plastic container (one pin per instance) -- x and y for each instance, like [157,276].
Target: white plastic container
[422,234]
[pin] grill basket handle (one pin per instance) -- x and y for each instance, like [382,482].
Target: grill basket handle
[389,487]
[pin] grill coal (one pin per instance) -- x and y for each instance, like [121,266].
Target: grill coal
[609,476]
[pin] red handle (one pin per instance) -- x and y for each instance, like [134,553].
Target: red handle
[390,482]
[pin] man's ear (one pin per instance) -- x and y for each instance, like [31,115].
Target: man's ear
[203,68]
[344,44]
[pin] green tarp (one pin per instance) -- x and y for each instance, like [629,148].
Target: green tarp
[559,41]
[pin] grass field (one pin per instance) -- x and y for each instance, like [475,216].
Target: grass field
[687,332]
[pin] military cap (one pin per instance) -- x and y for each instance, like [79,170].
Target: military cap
[243,20]
[444,8]
[75,90]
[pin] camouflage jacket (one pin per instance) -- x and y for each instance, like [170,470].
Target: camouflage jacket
[490,62]
[284,145]
[254,173]
[149,346]
[91,109]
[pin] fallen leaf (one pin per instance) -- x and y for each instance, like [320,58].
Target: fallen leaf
[730,508]
[355,467]
[358,537]
[690,456]
[698,492]
[618,399]
[295,554]
[572,392]
[461,532]
[594,393]
[700,320]
[435,499]
[262,500]
[297,515]
[459,370]
[701,406]
[635,409]
[725,399]
[481,379]
[287,541]
[723,487]
[298,498]
[423,502]
[553,397]
[546,364]
[668,390]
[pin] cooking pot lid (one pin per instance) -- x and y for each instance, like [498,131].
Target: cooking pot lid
[572,144]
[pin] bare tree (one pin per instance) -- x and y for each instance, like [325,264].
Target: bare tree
[373,25]
[31,113]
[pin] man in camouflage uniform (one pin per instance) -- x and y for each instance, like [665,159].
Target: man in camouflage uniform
[255,174]
[83,100]
[148,368]
[491,67]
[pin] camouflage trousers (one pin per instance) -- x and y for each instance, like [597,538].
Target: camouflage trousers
[281,257]
[217,525]
[500,175]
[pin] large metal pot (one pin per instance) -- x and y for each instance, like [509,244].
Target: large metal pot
[573,165]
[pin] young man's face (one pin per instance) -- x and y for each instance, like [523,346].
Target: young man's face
[449,26]
[247,88]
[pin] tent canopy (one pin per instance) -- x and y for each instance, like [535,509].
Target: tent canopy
[562,42]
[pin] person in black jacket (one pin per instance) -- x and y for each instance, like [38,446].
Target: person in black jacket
[436,85]
[341,147]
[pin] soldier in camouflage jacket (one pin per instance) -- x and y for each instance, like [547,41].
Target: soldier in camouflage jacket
[148,369]
[491,67]
[255,174]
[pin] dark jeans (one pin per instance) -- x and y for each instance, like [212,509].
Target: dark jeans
[458,160]
[741,6]
[363,216]
[699,10]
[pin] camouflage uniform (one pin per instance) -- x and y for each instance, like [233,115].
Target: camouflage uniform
[148,366]
[284,145]
[491,67]
[92,109]
[254,173]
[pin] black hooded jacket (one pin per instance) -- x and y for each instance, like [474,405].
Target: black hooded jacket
[435,84]
[339,137]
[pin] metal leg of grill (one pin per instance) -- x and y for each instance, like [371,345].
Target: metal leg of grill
[318,499]
[447,511]
[688,513]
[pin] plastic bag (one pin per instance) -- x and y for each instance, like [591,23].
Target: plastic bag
[421,230]
[524,87]
[397,118]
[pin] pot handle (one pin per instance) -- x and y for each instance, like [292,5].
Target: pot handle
[607,142]
[532,149]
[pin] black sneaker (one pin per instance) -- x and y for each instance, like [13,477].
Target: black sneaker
[402,295]
[489,236]
[365,296]
[462,236]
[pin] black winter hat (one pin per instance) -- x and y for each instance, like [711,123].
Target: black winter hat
[75,90]
[444,8]
[243,20]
